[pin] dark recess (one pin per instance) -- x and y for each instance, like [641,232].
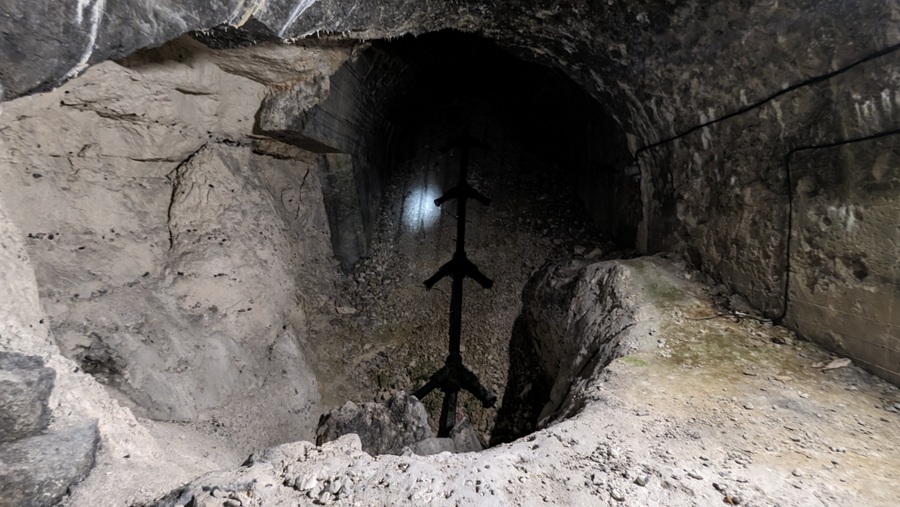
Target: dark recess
[457,76]
[561,124]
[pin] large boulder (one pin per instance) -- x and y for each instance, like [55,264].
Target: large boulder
[396,425]
[576,313]
[37,471]
[25,385]
[383,427]
[463,438]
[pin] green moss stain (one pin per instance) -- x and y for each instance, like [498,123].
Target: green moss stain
[634,361]
[664,295]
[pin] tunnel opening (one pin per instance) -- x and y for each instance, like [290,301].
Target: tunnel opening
[454,74]
[555,168]
[186,263]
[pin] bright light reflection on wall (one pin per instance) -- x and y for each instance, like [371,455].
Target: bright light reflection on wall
[419,211]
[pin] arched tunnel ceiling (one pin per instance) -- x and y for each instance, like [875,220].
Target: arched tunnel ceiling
[380,99]
[664,66]
[764,143]
[455,70]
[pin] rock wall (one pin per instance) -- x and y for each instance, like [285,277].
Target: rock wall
[43,44]
[38,466]
[78,406]
[722,195]
[176,257]
[711,97]
[576,314]
[349,126]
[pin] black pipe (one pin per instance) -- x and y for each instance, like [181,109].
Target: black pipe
[779,93]
[790,197]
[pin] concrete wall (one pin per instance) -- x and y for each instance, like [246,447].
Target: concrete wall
[844,288]
[721,195]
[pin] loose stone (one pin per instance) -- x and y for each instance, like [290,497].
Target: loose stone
[324,498]
[617,495]
[309,482]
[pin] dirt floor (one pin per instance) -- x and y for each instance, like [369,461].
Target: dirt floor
[741,406]
[393,332]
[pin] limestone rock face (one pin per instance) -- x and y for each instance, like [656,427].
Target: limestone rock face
[383,427]
[25,385]
[179,257]
[170,247]
[576,316]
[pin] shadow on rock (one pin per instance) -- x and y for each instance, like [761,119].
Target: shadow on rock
[527,389]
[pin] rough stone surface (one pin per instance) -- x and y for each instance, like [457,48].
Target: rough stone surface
[463,438]
[738,98]
[25,385]
[575,315]
[735,215]
[129,453]
[383,427]
[845,246]
[351,126]
[663,425]
[37,471]
[170,261]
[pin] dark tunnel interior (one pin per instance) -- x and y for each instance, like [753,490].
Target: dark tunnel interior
[462,81]
[555,168]
[226,232]
[546,109]
[458,76]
